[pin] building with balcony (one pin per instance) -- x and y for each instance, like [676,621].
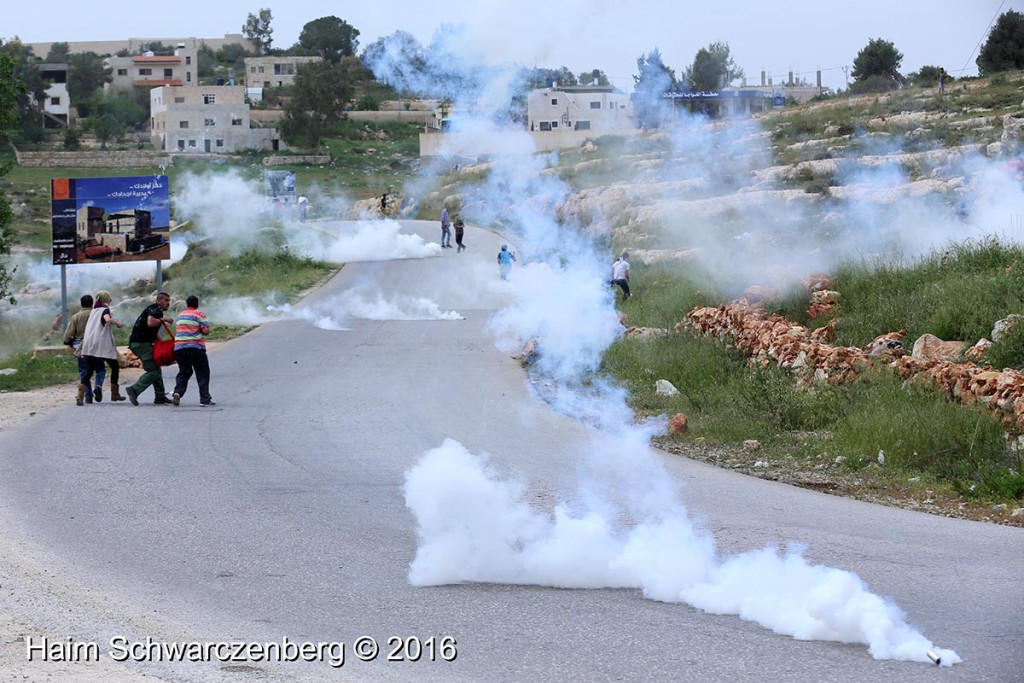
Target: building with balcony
[148,70]
[56,104]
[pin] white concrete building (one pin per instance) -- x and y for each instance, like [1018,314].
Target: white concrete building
[273,72]
[208,118]
[580,108]
[56,102]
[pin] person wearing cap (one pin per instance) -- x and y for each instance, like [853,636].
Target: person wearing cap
[505,260]
[98,346]
[620,274]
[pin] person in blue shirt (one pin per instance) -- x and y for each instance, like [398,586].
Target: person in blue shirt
[505,260]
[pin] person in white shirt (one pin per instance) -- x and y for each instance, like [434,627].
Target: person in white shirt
[620,274]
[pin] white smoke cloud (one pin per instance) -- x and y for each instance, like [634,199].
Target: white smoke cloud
[370,241]
[625,525]
[360,303]
[475,526]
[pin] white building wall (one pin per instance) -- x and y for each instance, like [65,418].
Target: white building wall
[554,109]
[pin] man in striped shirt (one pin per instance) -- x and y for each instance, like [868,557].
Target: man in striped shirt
[190,330]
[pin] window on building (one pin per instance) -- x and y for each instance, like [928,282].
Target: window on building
[209,123]
[252,69]
[122,72]
[261,69]
[188,60]
[209,99]
[191,143]
[181,144]
[544,125]
[182,124]
[595,105]
[583,125]
[179,100]
[145,72]
[188,76]
[236,120]
[554,124]
[168,73]
[554,101]
[220,143]
[55,101]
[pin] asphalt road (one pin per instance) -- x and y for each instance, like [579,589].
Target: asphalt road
[280,514]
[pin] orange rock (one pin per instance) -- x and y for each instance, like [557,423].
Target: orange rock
[678,424]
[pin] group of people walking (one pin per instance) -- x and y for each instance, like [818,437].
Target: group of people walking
[90,336]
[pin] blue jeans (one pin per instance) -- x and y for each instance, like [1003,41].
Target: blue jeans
[446,236]
[83,370]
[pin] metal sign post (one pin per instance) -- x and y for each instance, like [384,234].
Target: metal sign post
[63,297]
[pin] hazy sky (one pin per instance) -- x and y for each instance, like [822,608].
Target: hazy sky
[798,35]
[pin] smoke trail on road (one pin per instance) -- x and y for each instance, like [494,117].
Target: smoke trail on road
[625,525]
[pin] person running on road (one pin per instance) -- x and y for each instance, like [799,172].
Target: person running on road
[505,260]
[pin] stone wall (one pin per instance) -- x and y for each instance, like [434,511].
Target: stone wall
[94,159]
[311,159]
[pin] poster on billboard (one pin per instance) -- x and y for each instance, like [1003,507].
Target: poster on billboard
[110,220]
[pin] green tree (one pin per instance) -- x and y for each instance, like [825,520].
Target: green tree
[257,29]
[595,77]
[12,89]
[876,67]
[28,101]
[712,68]
[206,61]
[232,56]
[652,81]
[927,77]
[1004,48]
[114,114]
[329,37]
[58,53]
[86,75]
[319,96]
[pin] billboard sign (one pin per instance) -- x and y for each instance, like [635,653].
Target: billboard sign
[110,220]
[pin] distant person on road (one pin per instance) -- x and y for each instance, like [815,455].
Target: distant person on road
[98,345]
[942,81]
[505,260]
[384,204]
[144,333]
[460,230]
[190,330]
[446,229]
[73,336]
[620,274]
[303,205]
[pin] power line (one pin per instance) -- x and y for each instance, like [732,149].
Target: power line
[989,28]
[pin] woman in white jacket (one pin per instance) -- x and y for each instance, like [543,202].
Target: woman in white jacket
[98,343]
